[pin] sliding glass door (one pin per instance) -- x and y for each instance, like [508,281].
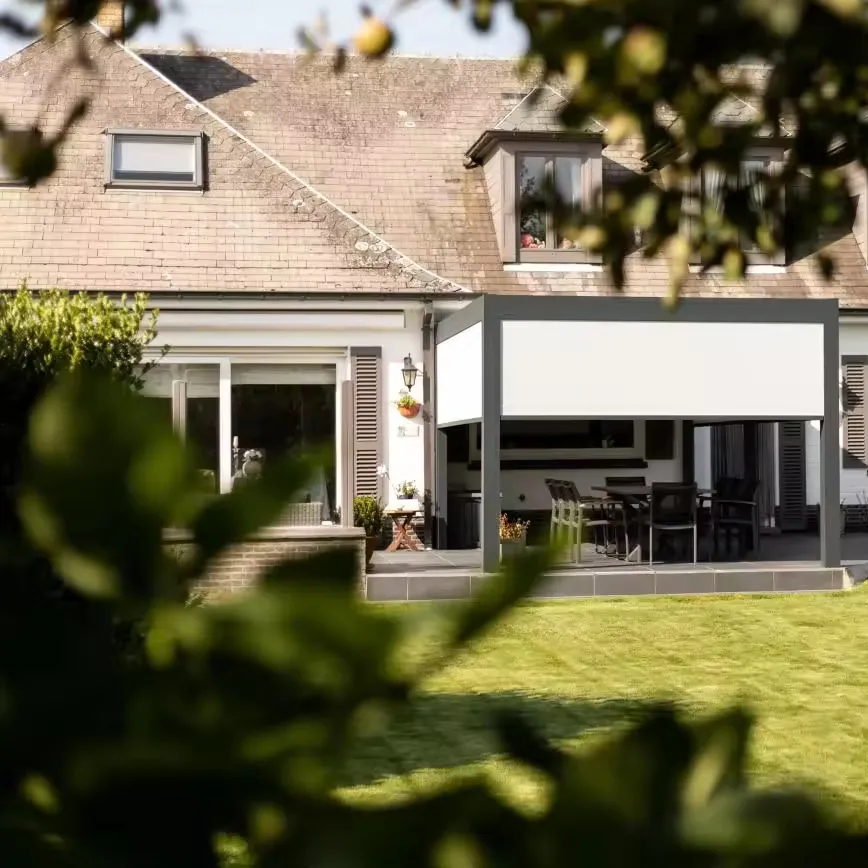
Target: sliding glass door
[240,416]
[283,409]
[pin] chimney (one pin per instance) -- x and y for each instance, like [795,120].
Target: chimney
[111,18]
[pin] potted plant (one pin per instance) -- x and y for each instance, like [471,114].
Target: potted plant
[408,406]
[407,491]
[513,537]
[368,514]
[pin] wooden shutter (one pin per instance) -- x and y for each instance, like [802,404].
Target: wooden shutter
[791,475]
[854,406]
[367,420]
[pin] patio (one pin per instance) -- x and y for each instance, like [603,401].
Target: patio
[507,360]
[785,563]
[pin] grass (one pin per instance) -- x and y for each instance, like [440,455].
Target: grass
[581,668]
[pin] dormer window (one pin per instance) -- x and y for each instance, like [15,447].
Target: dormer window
[755,166]
[144,158]
[565,180]
[537,182]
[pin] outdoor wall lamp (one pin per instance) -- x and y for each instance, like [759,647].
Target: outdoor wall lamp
[409,371]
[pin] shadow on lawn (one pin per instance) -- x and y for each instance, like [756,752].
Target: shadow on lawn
[445,730]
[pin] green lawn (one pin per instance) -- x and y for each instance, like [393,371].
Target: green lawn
[581,668]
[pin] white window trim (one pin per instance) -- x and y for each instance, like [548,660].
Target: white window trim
[197,139]
[553,267]
[750,268]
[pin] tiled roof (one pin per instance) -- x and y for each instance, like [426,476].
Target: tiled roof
[349,182]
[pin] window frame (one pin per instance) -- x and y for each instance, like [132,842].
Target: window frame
[637,450]
[772,158]
[197,140]
[14,183]
[589,154]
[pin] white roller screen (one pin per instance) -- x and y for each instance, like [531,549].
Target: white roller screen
[459,377]
[273,375]
[664,369]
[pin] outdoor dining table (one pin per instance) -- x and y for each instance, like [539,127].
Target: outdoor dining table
[638,496]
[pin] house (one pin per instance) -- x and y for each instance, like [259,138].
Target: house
[304,233]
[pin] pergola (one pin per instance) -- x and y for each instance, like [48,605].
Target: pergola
[710,360]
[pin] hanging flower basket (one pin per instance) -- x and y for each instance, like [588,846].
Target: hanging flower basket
[408,406]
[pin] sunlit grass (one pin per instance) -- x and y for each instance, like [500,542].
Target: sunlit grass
[580,668]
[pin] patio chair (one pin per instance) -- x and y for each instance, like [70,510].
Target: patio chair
[571,513]
[673,511]
[735,511]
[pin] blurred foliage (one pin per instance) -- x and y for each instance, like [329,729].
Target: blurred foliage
[657,72]
[227,738]
[44,335]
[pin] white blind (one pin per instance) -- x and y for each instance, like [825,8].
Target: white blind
[283,375]
[145,156]
[203,381]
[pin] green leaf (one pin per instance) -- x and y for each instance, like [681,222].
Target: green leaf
[106,475]
[523,742]
[231,518]
[719,763]
[499,593]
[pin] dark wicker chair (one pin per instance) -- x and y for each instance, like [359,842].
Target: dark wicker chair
[673,511]
[735,513]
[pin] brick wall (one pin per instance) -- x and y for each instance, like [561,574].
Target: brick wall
[242,565]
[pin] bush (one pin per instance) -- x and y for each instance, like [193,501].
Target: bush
[44,334]
[227,739]
[368,513]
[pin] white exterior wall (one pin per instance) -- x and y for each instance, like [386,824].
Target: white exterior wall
[307,333]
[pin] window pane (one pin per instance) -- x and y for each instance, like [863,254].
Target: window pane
[157,389]
[154,158]
[573,434]
[752,172]
[713,193]
[5,174]
[203,418]
[532,219]
[280,409]
[568,186]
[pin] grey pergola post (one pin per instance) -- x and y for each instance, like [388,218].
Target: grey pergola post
[491,410]
[441,489]
[830,450]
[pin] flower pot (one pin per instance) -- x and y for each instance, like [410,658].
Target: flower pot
[511,548]
[406,497]
[409,412]
[370,547]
